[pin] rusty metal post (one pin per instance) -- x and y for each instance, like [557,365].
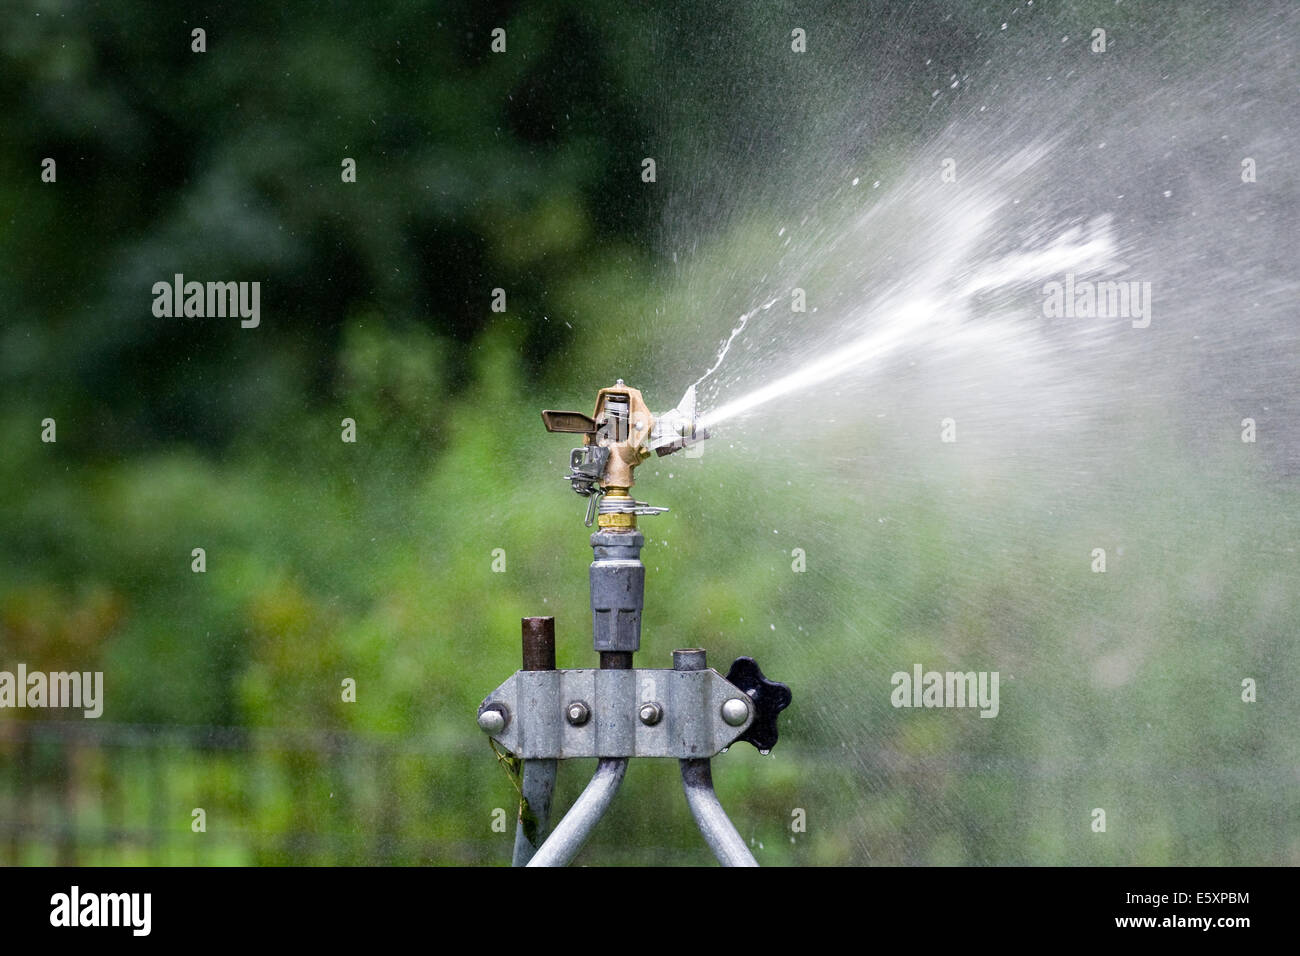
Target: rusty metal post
[537,781]
[539,643]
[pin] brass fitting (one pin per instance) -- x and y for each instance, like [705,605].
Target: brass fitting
[623,424]
[617,520]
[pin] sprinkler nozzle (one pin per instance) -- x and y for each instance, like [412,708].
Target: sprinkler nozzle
[676,429]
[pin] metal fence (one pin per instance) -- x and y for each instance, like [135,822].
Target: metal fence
[93,793]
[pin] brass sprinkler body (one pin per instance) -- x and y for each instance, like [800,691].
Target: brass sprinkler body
[618,436]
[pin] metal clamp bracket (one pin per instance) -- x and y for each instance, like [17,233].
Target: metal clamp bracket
[561,714]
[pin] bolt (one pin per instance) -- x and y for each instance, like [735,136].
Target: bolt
[735,711]
[651,713]
[493,720]
[577,713]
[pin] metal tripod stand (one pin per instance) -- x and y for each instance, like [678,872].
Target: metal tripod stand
[616,712]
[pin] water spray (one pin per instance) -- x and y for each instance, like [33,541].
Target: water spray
[542,715]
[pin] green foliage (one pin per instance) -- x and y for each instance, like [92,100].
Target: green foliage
[373,560]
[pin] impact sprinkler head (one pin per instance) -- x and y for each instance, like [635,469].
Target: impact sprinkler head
[617,437]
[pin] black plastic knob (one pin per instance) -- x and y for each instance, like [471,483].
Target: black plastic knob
[768,697]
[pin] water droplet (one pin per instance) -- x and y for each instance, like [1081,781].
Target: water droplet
[765,752]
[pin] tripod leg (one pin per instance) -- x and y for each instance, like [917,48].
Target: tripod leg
[538,785]
[571,832]
[719,832]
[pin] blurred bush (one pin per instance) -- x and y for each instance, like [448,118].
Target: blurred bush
[373,561]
